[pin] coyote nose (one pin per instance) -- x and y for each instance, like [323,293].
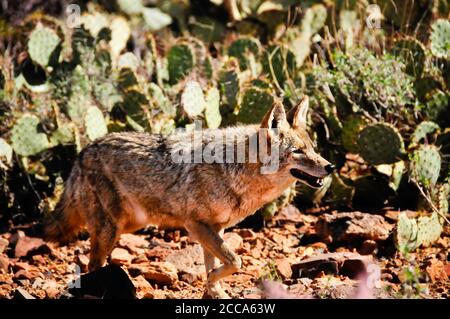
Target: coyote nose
[330,168]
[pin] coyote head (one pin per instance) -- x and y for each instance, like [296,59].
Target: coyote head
[295,146]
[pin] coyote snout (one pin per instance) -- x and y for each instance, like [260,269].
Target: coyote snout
[126,181]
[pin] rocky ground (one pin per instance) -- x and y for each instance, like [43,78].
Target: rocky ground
[317,254]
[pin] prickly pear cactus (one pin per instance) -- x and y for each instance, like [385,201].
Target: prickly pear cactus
[351,128]
[412,52]
[279,63]
[380,143]
[212,111]
[412,233]
[421,132]
[25,138]
[63,135]
[161,101]
[43,45]
[242,49]
[193,99]
[255,103]
[425,165]
[180,60]
[95,123]
[440,38]
[436,108]
[229,87]
[341,194]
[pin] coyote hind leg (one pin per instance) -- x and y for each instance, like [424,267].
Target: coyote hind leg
[213,245]
[102,210]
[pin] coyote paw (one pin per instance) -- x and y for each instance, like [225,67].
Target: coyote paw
[215,291]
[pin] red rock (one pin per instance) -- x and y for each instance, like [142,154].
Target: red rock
[436,271]
[4,264]
[188,262]
[247,234]
[26,244]
[162,273]
[342,263]
[3,245]
[284,268]
[133,243]
[121,256]
[234,241]
[447,269]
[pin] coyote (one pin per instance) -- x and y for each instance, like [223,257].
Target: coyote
[125,181]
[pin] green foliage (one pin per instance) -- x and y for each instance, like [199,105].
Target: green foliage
[193,99]
[25,138]
[42,45]
[440,38]
[380,144]
[180,62]
[95,123]
[425,165]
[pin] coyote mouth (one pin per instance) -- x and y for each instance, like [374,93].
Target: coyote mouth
[312,181]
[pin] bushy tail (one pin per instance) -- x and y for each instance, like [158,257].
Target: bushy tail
[65,222]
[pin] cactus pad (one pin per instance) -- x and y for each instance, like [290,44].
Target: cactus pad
[229,87]
[42,44]
[350,131]
[440,38]
[380,144]
[421,132]
[241,48]
[162,101]
[212,111]
[425,165]
[25,138]
[255,103]
[180,62]
[95,123]
[412,52]
[192,99]
[412,233]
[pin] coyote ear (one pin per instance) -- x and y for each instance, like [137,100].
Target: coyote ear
[275,118]
[297,115]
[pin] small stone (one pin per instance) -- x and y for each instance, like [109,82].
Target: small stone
[4,264]
[284,268]
[436,270]
[188,262]
[368,247]
[52,292]
[3,245]
[22,274]
[338,263]
[121,256]
[247,234]
[162,273]
[348,227]
[234,241]
[25,245]
[277,238]
[133,243]
[38,260]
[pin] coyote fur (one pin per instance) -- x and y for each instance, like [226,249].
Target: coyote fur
[125,181]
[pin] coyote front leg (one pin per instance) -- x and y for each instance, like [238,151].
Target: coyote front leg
[213,245]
